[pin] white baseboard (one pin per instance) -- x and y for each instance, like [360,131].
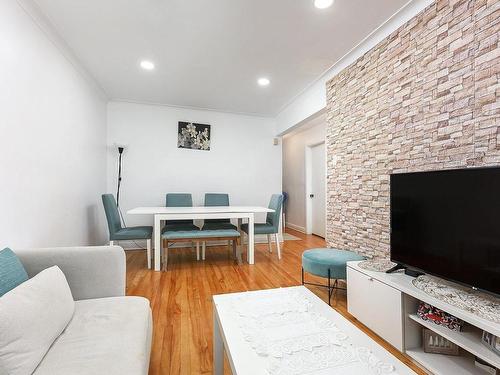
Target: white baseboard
[298,228]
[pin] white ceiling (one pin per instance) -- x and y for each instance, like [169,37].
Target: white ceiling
[209,53]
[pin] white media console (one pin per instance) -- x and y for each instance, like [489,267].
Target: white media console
[387,304]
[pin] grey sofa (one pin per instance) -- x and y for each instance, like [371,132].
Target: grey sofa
[109,332]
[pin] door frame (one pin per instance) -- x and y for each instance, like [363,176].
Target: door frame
[308,180]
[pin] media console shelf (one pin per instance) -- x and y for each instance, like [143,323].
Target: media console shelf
[387,304]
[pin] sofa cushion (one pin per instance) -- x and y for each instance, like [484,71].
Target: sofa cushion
[106,336]
[12,272]
[32,316]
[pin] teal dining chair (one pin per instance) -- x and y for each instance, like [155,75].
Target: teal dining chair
[214,200]
[119,233]
[217,200]
[271,226]
[180,200]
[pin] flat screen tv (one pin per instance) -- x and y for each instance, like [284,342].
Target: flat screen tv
[447,223]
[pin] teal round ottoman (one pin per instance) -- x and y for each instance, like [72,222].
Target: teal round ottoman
[328,263]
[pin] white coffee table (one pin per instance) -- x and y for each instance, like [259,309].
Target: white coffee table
[275,321]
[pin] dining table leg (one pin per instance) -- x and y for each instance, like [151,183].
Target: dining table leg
[241,244]
[157,235]
[251,239]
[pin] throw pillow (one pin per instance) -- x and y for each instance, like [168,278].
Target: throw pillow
[32,316]
[12,272]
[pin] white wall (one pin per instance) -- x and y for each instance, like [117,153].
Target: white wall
[242,161]
[313,99]
[53,131]
[294,169]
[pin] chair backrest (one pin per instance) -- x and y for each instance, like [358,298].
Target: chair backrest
[217,199]
[273,218]
[112,214]
[179,200]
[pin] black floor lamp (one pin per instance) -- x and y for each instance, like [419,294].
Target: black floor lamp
[119,182]
[120,152]
[118,185]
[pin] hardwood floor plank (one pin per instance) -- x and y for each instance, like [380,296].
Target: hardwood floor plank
[181,298]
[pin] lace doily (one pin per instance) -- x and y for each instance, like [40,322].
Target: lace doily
[257,306]
[475,302]
[377,265]
[284,328]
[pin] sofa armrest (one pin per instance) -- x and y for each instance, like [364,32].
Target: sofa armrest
[92,272]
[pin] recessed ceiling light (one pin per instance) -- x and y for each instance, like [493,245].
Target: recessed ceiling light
[263,81]
[147,65]
[323,4]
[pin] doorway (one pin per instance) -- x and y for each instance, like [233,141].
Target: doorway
[298,146]
[316,189]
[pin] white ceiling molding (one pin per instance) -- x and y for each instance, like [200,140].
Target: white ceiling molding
[190,108]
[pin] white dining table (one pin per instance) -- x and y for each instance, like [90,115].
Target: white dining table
[200,213]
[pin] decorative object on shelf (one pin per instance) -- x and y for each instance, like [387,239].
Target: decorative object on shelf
[479,363]
[491,341]
[439,317]
[434,343]
[194,136]
[478,303]
[376,265]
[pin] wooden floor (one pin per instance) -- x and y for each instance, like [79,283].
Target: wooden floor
[181,298]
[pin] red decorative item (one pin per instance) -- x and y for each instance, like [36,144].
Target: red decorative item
[439,317]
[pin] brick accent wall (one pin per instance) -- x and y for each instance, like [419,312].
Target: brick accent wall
[425,98]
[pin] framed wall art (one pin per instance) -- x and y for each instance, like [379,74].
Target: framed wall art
[193,135]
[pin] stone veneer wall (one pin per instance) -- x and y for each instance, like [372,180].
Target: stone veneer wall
[425,98]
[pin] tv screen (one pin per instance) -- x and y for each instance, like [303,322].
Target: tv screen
[447,223]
